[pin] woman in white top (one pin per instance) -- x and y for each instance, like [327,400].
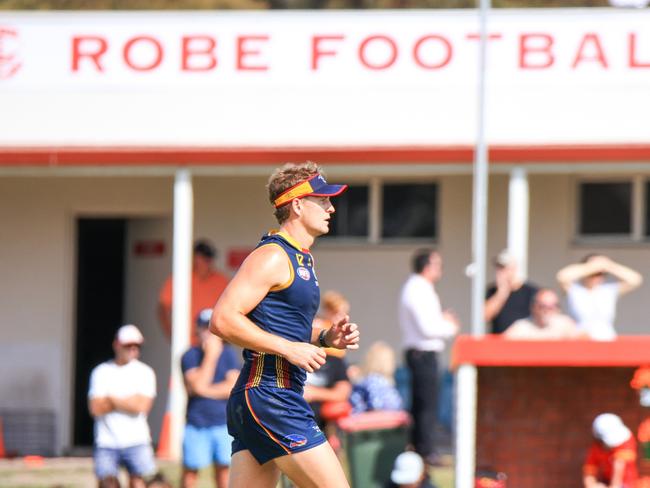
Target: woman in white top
[591,297]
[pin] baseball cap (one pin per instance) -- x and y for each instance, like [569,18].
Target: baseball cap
[203,318]
[205,248]
[408,468]
[129,334]
[504,258]
[610,429]
[316,186]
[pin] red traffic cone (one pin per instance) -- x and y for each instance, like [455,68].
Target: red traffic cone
[164,444]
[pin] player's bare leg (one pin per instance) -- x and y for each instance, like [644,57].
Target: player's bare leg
[245,471]
[315,468]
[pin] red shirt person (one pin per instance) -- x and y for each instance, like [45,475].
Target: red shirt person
[611,460]
[207,286]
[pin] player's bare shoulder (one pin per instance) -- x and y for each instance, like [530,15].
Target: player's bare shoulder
[268,263]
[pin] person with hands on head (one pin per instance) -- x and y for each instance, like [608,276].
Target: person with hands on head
[209,371]
[611,460]
[268,309]
[591,298]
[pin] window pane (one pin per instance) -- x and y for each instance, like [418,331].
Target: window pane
[351,216]
[606,208]
[410,210]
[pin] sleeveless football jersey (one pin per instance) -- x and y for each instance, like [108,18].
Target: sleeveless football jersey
[288,311]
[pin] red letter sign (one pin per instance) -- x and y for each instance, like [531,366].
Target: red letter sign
[542,44]
[242,53]
[92,47]
[598,55]
[155,62]
[431,65]
[317,53]
[190,50]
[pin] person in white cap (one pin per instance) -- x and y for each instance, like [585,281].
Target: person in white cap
[120,397]
[409,472]
[611,460]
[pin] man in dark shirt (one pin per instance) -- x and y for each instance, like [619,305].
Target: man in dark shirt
[509,298]
[210,371]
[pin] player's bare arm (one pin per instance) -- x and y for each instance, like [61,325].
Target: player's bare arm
[265,268]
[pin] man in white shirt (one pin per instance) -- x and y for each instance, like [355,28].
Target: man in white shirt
[425,326]
[120,397]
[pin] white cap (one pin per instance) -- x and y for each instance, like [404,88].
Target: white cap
[610,429]
[408,468]
[504,258]
[129,334]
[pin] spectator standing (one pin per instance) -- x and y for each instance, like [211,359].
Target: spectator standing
[210,371]
[546,321]
[207,285]
[329,384]
[591,298]
[611,460]
[425,326]
[120,397]
[376,390]
[509,298]
[409,471]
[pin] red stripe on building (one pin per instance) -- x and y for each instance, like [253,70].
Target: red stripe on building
[223,156]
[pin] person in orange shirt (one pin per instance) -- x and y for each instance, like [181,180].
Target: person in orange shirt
[611,460]
[207,286]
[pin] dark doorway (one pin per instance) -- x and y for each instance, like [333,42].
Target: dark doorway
[100,305]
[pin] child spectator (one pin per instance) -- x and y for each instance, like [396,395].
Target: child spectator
[376,390]
[611,460]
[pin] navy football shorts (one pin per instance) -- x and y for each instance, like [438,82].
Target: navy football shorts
[271,422]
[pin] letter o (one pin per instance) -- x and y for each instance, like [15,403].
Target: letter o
[432,37]
[148,67]
[391,59]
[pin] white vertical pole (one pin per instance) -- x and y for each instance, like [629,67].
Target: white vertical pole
[518,198]
[480,203]
[465,425]
[181,291]
[466,376]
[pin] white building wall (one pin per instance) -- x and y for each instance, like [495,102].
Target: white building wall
[37,259]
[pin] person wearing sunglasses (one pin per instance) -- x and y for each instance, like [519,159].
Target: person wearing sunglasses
[546,321]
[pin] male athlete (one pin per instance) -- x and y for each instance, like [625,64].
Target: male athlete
[268,309]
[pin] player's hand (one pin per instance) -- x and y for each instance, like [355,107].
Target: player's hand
[305,356]
[343,334]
